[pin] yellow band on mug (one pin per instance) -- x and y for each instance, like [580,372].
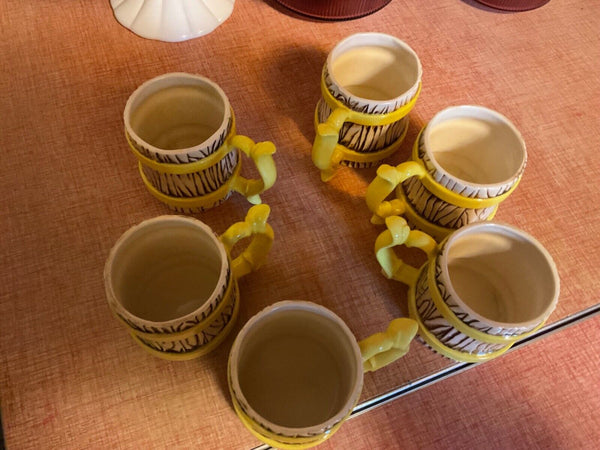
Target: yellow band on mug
[450,196]
[277,441]
[204,201]
[467,330]
[262,155]
[365,119]
[326,151]
[436,345]
[180,335]
[185,356]
[186,168]
[342,153]
[401,206]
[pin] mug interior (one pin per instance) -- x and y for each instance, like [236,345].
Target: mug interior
[475,145]
[500,275]
[166,268]
[298,368]
[176,112]
[374,66]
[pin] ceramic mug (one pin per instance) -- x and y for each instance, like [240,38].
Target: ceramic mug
[181,128]
[465,162]
[295,371]
[484,287]
[369,84]
[171,281]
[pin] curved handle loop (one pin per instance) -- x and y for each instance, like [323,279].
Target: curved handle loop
[387,180]
[262,155]
[381,349]
[398,233]
[326,153]
[256,253]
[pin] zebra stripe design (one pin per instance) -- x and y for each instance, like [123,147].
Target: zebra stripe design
[190,323]
[436,210]
[363,139]
[209,147]
[367,107]
[441,328]
[204,336]
[457,186]
[360,138]
[194,184]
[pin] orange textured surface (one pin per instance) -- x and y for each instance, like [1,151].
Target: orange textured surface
[70,377]
[542,396]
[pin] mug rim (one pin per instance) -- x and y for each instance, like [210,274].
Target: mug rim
[150,223]
[234,357]
[186,79]
[440,170]
[407,94]
[506,230]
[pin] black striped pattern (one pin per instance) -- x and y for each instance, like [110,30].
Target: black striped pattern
[442,329]
[192,322]
[365,107]
[436,210]
[197,209]
[282,438]
[204,336]
[363,139]
[456,186]
[195,184]
[209,147]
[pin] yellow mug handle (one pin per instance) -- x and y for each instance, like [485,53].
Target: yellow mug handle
[387,180]
[262,155]
[255,224]
[326,154]
[381,349]
[399,233]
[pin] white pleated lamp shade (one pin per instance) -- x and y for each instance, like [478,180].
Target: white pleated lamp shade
[171,20]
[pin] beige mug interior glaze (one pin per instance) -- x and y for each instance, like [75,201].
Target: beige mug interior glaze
[167,269]
[298,367]
[500,275]
[374,66]
[176,112]
[476,145]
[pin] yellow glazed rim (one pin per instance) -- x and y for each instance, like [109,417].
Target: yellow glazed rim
[450,317]
[370,157]
[203,201]
[365,119]
[186,356]
[168,337]
[273,439]
[436,345]
[450,196]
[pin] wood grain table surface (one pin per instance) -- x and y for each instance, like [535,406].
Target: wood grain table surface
[70,377]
